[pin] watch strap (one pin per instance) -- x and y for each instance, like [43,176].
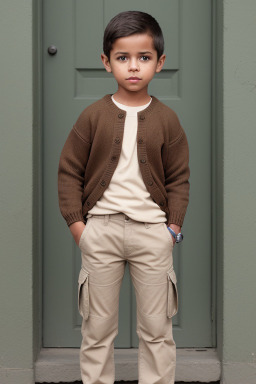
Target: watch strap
[178,237]
[172,232]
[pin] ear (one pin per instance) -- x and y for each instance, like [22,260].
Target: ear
[160,63]
[106,62]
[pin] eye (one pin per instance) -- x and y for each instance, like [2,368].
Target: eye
[145,58]
[121,58]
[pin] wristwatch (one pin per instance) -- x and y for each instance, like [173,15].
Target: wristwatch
[178,237]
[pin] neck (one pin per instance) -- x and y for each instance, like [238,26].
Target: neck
[132,99]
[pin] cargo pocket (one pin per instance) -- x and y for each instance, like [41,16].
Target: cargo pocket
[83,293]
[172,294]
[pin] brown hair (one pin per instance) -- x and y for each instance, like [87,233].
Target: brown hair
[129,23]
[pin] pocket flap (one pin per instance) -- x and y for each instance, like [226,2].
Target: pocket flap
[83,293]
[82,276]
[172,296]
[172,276]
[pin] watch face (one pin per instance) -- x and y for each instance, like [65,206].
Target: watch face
[179,238]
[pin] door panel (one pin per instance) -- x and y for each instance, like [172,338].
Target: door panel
[73,79]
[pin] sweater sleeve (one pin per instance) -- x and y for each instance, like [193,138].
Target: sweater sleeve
[177,175]
[72,164]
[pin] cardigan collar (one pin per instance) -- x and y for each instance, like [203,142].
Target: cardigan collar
[141,114]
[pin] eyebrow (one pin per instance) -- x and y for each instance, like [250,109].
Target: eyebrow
[121,53]
[140,53]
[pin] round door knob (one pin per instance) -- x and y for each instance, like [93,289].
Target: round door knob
[52,50]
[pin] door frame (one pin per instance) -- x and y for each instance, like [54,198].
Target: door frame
[42,355]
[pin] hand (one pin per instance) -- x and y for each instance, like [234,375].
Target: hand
[77,229]
[176,228]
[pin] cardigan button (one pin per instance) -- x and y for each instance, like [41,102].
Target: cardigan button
[150,182]
[162,203]
[88,203]
[103,183]
[140,141]
[121,115]
[113,158]
[117,140]
[143,161]
[142,117]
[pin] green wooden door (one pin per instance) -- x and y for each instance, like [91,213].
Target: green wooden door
[73,79]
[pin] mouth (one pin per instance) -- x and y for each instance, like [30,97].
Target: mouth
[133,79]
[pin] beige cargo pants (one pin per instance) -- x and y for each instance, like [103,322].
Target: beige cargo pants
[107,243]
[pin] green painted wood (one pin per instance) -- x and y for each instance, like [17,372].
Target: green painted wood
[73,79]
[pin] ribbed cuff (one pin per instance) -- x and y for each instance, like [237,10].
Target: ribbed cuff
[176,218]
[74,217]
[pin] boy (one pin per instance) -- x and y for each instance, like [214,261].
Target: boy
[123,191]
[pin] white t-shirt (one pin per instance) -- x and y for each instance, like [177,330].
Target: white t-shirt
[127,192]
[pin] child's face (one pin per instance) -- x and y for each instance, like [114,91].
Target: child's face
[133,62]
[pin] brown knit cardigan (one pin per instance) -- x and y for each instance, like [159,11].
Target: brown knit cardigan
[92,149]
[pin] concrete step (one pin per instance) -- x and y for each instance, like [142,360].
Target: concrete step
[57,365]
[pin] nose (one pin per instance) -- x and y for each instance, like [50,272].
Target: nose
[134,65]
